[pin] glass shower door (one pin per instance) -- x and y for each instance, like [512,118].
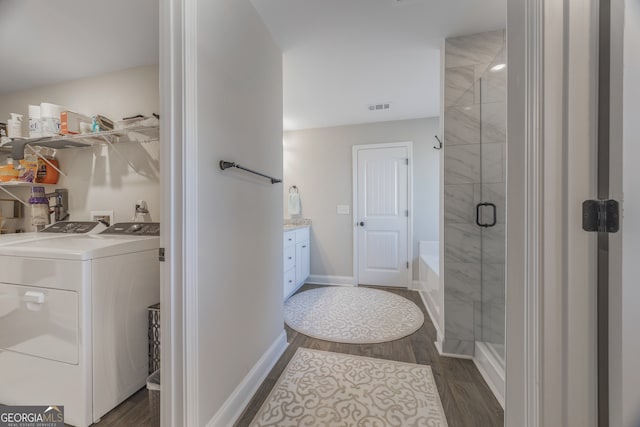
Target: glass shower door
[491,206]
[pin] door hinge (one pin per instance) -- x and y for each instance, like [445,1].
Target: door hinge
[161,254]
[602,216]
[406,162]
[407,264]
[406,213]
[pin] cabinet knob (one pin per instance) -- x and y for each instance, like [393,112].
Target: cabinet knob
[289,257]
[361,223]
[304,246]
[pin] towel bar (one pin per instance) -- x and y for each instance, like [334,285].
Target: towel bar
[226,165]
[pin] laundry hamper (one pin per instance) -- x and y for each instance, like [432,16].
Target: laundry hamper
[154,337]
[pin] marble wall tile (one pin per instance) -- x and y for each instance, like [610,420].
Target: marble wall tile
[462,244]
[462,125]
[462,164]
[493,163]
[473,49]
[493,284]
[493,85]
[474,112]
[458,320]
[493,323]
[459,86]
[494,123]
[493,244]
[492,193]
[463,282]
[459,206]
[477,320]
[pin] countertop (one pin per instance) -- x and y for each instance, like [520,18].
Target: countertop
[294,224]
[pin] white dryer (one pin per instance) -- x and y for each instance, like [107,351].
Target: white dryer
[73,319]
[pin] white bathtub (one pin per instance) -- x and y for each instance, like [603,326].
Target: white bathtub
[430,285]
[429,255]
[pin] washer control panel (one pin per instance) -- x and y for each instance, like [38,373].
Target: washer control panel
[71,227]
[134,228]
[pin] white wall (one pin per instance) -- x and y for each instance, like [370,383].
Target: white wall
[98,178]
[631,222]
[319,163]
[239,216]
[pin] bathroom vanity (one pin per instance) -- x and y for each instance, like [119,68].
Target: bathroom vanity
[296,256]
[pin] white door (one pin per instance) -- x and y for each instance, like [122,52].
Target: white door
[382,215]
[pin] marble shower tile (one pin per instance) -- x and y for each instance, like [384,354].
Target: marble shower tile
[459,86]
[477,320]
[462,243]
[493,323]
[493,244]
[459,206]
[462,125]
[454,346]
[493,85]
[462,164]
[493,283]
[494,123]
[473,49]
[463,282]
[493,163]
[458,320]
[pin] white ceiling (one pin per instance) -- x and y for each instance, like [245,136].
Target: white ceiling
[46,42]
[342,55]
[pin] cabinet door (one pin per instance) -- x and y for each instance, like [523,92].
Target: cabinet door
[289,282]
[302,261]
[289,238]
[289,257]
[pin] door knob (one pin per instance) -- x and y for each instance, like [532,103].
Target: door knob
[361,223]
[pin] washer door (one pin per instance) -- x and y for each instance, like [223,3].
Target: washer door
[39,322]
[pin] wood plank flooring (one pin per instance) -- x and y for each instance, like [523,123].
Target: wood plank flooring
[132,412]
[466,398]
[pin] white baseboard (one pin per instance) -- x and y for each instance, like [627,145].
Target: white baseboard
[316,279]
[233,407]
[439,335]
[491,370]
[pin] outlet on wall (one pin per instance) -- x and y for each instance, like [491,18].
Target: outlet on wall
[104,216]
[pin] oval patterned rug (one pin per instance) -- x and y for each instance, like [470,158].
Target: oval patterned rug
[352,315]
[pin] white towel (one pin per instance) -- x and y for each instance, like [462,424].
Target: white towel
[294,204]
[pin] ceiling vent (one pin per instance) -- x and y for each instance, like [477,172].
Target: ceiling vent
[378,107]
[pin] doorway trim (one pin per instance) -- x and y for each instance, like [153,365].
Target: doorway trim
[550,279]
[409,146]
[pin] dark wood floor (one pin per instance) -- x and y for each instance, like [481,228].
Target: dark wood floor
[132,412]
[466,398]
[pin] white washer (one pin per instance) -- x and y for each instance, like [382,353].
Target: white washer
[73,319]
[59,229]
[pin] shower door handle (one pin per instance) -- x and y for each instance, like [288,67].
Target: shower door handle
[479,210]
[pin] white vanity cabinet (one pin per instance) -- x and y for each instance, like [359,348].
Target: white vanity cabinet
[296,259]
